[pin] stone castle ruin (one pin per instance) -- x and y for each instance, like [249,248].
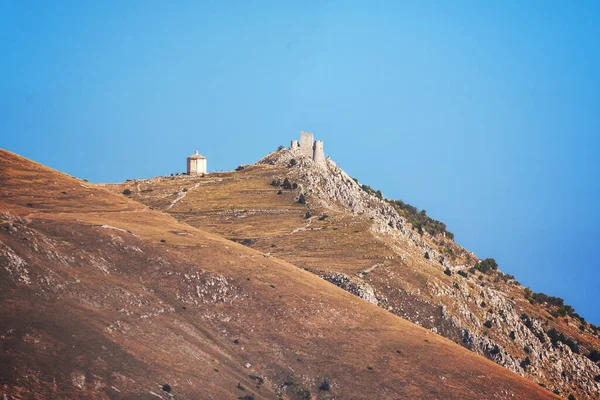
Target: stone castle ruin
[309,147]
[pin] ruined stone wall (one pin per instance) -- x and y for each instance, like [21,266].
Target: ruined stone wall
[306,144]
[318,155]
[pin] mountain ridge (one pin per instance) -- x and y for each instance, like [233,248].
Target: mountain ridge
[492,315]
[111,299]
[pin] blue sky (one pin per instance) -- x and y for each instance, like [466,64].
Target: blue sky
[486,115]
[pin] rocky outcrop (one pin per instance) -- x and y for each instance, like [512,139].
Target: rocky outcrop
[483,319]
[355,286]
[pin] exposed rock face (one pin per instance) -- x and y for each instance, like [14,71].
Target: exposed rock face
[483,319]
[353,285]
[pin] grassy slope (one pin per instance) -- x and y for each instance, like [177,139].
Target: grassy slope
[103,313]
[242,205]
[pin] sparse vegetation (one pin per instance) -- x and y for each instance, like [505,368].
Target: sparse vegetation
[127,192]
[325,385]
[594,355]
[420,220]
[259,379]
[556,337]
[276,182]
[487,265]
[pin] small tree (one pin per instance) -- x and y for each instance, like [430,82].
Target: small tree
[302,199]
[293,162]
[486,265]
[287,184]
[594,355]
[325,385]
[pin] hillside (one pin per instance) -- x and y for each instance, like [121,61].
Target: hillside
[348,235]
[105,298]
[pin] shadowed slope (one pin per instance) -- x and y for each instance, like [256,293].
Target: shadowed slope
[103,297]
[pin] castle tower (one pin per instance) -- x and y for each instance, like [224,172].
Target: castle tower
[196,164]
[306,144]
[295,145]
[318,155]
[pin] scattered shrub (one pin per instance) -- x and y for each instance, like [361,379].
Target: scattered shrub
[427,255]
[597,378]
[279,192]
[239,386]
[486,265]
[448,272]
[302,199]
[594,355]
[293,162]
[287,184]
[512,335]
[571,397]
[127,192]
[304,394]
[419,219]
[280,148]
[488,324]
[166,387]
[240,168]
[323,217]
[307,215]
[325,385]
[163,241]
[556,336]
[463,274]
[275,182]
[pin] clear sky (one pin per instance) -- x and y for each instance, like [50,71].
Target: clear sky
[486,114]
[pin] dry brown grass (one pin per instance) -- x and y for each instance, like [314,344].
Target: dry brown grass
[126,328]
